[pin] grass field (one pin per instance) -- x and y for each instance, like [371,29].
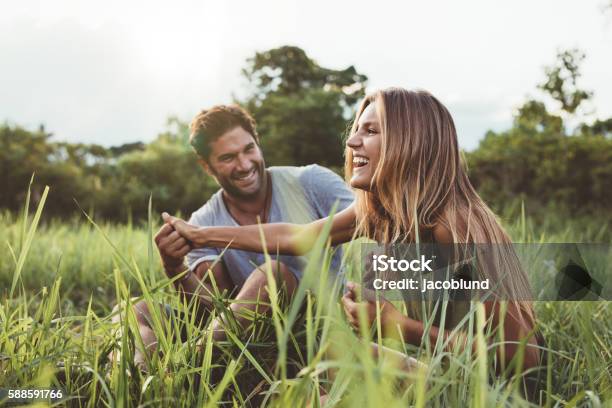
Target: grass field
[55,331]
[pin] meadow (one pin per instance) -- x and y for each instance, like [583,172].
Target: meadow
[56,332]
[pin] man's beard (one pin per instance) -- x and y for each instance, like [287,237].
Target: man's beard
[231,189]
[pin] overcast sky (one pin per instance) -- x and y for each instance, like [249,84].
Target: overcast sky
[112,72]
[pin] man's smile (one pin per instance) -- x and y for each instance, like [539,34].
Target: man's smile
[246,178]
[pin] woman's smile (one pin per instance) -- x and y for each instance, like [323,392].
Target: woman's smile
[364,144]
[360,161]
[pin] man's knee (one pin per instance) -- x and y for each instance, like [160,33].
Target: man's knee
[140,308]
[280,272]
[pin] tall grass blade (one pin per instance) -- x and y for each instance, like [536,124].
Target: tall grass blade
[28,241]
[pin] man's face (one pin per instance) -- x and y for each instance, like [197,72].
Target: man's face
[237,163]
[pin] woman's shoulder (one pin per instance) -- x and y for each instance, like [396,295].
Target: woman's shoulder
[442,234]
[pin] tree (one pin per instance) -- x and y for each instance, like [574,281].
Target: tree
[166,169]
[532,117]
[537,160]
[21,153]
[117,151]
[287,71]
[561,81]
[561,85]
[301,108]
[599,127]
[63,166]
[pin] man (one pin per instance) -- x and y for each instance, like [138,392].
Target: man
[228,148]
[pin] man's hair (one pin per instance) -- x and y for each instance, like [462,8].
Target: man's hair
[210,124]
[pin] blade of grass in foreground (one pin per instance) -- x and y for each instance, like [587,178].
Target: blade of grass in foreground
[150,261]
[309,277]
[479,374]
[28,240]
[26,212]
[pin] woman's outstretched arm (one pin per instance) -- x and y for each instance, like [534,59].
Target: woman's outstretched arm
[284,238]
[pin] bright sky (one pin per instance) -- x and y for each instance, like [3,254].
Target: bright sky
[112,72]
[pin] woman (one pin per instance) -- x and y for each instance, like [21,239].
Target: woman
[403,159]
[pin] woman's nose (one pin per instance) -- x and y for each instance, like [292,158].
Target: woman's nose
[353,141]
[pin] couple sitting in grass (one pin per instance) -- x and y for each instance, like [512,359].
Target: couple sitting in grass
[402,161]
[228,148]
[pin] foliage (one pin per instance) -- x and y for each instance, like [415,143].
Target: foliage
[46,340]
[112,183]
[301,131]
[537,160]
[165,169]
[60,165]
[302,109]
[545,168]
[287,71]
[561,80]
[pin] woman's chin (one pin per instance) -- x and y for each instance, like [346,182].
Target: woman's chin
[360,183]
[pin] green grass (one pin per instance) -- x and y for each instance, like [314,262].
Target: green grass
[56,331]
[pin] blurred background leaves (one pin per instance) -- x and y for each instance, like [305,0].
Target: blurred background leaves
[303,112]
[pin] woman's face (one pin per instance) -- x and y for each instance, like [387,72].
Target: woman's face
[365,146]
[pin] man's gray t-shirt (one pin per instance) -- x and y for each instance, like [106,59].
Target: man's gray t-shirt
[299,195]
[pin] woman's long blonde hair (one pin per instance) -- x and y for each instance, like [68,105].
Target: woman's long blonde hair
[420,182]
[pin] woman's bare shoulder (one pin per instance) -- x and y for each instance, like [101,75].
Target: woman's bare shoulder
[442,234]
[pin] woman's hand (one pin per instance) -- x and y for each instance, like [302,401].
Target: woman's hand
[389,315]
[190,232]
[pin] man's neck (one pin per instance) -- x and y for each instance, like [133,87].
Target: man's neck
[246,210]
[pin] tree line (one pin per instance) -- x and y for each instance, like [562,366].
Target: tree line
[303,111]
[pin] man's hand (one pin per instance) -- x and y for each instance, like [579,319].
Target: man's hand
[390,317]
[172,249]
[190,233]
